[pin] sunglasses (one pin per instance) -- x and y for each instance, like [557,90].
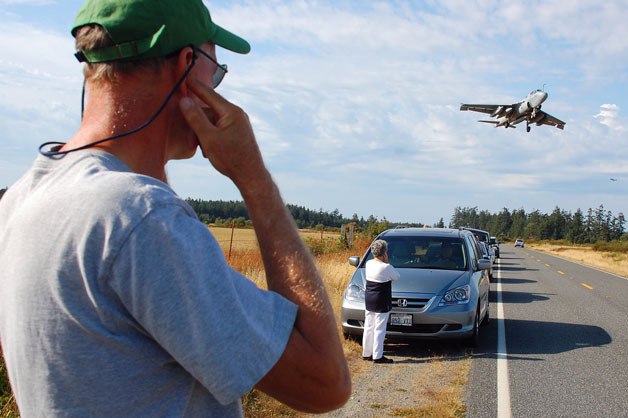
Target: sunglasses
[221,69]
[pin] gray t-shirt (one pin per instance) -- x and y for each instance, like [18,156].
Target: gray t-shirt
[116,301]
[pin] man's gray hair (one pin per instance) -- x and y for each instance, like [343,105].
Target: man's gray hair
[379,247]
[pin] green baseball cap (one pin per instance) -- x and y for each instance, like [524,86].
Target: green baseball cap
[152,28]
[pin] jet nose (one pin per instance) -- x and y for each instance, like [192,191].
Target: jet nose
[538,98]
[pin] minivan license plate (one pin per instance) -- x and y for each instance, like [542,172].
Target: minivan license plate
[401,319]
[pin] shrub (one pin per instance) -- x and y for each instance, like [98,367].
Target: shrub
[612,246]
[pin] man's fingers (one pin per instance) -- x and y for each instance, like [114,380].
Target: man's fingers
[194,115]
[208,96]
[211,115]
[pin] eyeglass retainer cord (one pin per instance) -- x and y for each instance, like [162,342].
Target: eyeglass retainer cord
[52,153]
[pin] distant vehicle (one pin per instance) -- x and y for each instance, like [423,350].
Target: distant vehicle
[509,115]
[495,245]
[442,292]
[519,243]
[482,236]
[487,254]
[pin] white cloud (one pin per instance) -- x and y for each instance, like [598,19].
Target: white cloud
[609,116]
[40,98]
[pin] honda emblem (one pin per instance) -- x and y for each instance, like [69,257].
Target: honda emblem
[402,303]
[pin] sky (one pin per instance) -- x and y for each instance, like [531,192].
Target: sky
[355,104]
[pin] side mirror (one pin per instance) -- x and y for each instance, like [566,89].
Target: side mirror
[484,264]
[354,260]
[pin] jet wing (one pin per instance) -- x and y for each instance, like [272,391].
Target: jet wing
[550,120]
[484,108]
[491,109]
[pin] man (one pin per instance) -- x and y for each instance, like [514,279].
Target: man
[447,259]
[378,301]
[114,299]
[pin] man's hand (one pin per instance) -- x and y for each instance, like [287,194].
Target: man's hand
[224,134]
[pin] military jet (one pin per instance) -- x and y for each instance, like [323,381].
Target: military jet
[528,110]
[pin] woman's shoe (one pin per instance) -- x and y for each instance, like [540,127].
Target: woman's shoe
[384,360]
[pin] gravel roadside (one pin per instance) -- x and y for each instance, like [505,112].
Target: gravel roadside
[427,379]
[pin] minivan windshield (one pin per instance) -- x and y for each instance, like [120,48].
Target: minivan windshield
[426,253]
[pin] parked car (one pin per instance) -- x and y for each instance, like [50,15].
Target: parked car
[485,239]
[495,246]
[487,254]
[435,297]
[519,243]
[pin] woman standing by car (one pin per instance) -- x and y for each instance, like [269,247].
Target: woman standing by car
[378,299]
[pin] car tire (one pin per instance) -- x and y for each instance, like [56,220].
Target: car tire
[474,339]
[487,318]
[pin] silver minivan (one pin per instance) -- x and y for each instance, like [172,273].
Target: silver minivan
[443,291]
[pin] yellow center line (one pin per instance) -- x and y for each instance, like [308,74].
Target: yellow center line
[587,286]
[547,265]
[560,272]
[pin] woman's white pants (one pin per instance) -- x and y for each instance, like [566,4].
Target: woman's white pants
[374,334]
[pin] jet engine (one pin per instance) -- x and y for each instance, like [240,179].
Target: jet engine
[498,111]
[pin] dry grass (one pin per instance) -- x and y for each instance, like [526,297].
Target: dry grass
[8,406]
[244,239]
[612,262]
[9,410]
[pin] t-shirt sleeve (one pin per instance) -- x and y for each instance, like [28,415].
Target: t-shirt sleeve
[172,277]
[392,272]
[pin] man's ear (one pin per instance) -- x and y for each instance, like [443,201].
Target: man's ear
[185,59]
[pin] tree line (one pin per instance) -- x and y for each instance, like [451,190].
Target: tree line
[594,225]
[579,228]
[230,212]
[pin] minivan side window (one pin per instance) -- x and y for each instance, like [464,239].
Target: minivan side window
[475,251]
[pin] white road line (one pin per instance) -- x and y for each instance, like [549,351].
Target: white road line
[503,385]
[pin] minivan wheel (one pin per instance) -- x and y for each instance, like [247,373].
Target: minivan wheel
[487,317]
[474,340]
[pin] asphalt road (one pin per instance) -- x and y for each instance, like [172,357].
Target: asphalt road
[565,328]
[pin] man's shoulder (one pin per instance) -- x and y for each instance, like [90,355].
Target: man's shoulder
[141,195]
[105,186]
[105,178]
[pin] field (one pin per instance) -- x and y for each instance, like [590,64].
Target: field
[244,239]
[614,260]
